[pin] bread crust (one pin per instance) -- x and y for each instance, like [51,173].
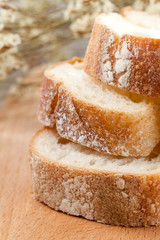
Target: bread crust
[128,62]
[105,130]
[108,197]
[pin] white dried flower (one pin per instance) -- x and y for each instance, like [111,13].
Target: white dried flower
[9,61]
[83,12]
[9,41]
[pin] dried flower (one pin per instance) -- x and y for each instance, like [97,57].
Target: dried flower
[30,35]
[9,56]
[82,13]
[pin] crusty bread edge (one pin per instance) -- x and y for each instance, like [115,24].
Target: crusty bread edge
[143,75]
[80,125]
[108,197]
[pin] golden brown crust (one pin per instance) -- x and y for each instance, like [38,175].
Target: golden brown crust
[108,197]
[105,130]
[49,97]
[127,62]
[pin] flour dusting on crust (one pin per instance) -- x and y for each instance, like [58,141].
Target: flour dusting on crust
[71,203]
[107,70]
[123,64]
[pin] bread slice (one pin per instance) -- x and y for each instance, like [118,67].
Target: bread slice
[124,55]
[89,112]
[141,18]
[82,182]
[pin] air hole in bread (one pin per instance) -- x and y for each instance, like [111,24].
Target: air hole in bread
[62,141]
[92,162]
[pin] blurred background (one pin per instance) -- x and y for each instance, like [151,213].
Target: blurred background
[34,34]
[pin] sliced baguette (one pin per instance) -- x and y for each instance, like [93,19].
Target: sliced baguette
[124,55]
[141,18]
[82,182]
[89,112]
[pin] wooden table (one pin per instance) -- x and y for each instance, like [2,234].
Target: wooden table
[21,216]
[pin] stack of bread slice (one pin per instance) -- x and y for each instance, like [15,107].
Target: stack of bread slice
[98,155]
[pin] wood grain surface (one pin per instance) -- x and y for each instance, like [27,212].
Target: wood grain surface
[21,216]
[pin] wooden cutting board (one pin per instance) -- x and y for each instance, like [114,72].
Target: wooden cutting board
[21,216]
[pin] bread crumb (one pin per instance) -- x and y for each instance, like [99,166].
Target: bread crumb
[153,209]
[120,183]
[125,195]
